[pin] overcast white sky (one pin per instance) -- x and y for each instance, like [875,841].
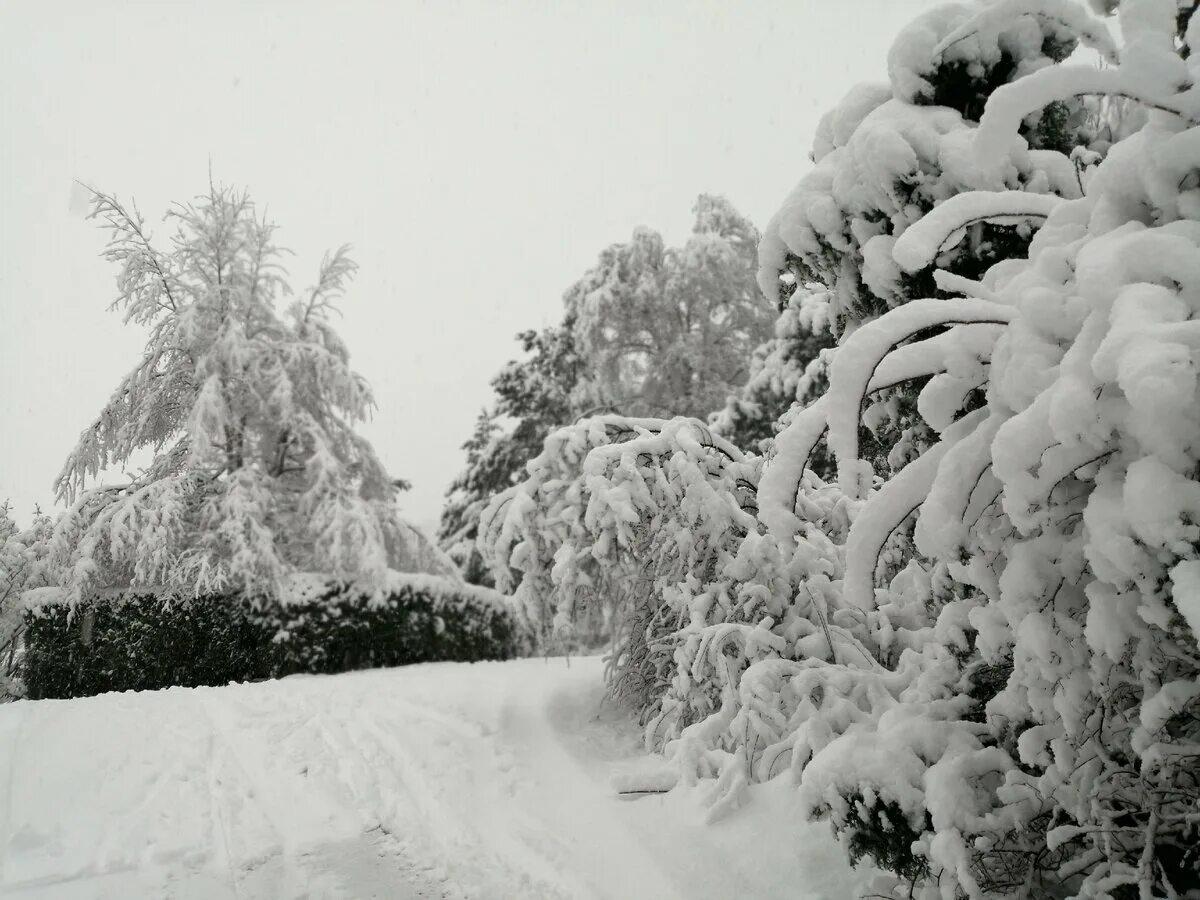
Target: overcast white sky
[477,155]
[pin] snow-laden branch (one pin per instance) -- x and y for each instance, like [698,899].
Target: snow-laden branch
[779,489]
[957,284]
[965,472]
[997,17]
[1011,103]
[945,225]
[929,357]
[888,509]
[780,483]
[856,361]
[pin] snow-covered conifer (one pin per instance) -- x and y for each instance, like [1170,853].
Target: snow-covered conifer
[1043,742]
[534,396]
[891,153]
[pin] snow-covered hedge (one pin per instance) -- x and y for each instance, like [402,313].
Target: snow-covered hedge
[146,641]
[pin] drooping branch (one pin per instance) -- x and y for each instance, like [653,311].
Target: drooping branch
[944,520]
[1011,103]
[943,226]
[1068,16]
[888,509]
[127,228]
[780,482]
[856,361]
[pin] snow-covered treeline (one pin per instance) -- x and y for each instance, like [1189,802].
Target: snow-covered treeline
[975,650]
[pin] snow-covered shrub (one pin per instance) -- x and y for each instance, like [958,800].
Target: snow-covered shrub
[137,641]
[134,641]
[322,627]
[250,413]
[22,567]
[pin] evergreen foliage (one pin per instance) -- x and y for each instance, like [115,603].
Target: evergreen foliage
[535,396]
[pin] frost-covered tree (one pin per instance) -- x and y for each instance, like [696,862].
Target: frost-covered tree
[249,411]
[23,554]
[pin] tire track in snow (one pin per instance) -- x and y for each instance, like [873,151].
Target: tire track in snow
[222,855]
[604,852]
[473,833]
[303,841]
[438,782]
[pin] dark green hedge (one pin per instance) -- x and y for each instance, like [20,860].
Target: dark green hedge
[146,642]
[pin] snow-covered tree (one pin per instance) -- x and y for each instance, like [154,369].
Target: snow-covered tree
[249,411]
[787,370]
[1040,738]
[649,331]
[890,153]
[23,555]
[533,397]
[1006,704]
[669,331]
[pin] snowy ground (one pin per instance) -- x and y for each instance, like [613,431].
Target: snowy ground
[483,781]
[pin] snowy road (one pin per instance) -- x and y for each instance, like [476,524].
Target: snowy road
[487,781]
